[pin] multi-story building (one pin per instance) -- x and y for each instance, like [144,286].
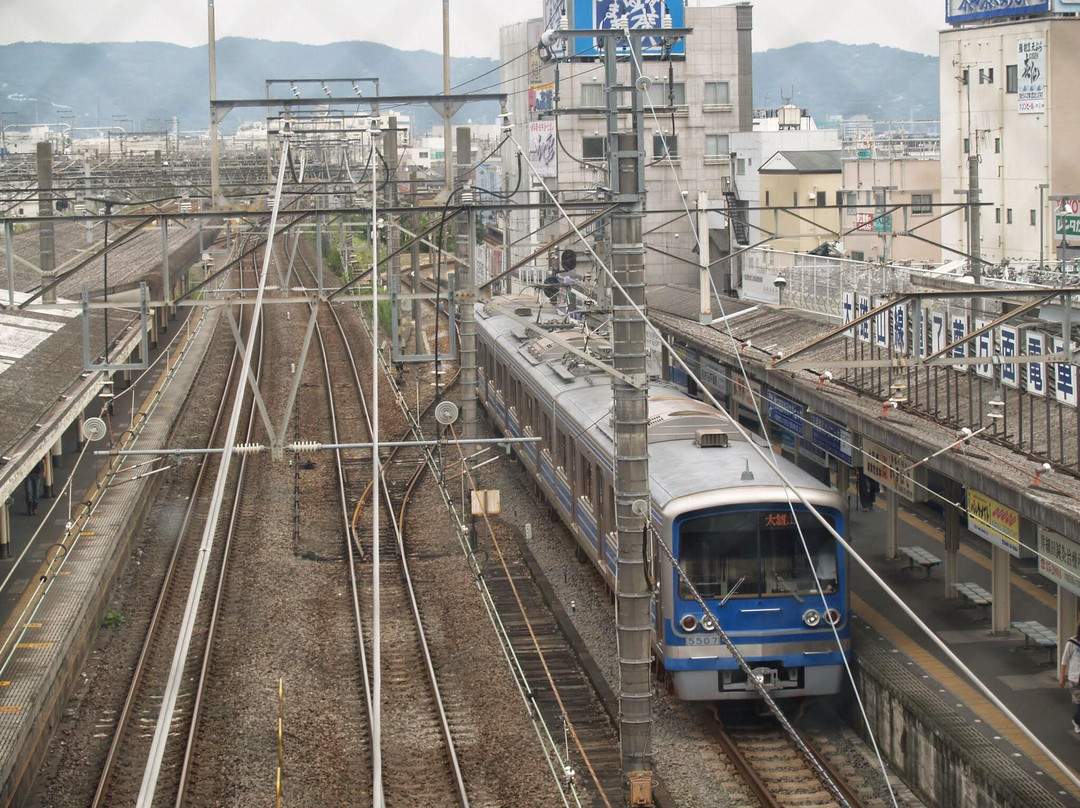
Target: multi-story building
[786,129]
[693,103]
[1008,76]
[803,188]
[892,187]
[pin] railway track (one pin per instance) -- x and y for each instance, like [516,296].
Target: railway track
[121,778]
[773,767]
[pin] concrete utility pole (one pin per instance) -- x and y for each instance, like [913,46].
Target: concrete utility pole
[392,234]
[448,151]
[46,244]
[974,232]
[626,164]
[465,284]
[215,147]
[414,261]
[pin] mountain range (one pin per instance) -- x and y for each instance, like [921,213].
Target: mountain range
[139,85]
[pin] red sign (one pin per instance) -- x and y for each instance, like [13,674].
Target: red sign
[864,221]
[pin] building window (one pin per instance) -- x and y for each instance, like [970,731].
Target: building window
[795,199]
[986,75]
[592,95]
[922,204]
[879,198]
[767,203]
[851,199]
[967,145]
[716,146]
[660,141]
[964,76]
[997,145]
[858,255]
[661,98]
[1011,83]
[1008,216]
[839,198]
[820,199]
[740,166]
[997,215]
[592,148]
[717,93]
[1033,218]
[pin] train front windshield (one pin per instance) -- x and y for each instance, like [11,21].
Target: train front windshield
[756,553]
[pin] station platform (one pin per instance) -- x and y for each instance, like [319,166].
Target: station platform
[1022,674]
[56,585]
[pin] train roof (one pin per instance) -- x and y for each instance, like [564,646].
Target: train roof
[692,446]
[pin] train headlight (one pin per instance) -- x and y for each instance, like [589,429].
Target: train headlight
[812,617]
[688,623]
[708,623]
[832,617]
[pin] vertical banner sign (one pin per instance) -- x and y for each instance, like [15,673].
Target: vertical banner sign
[542,147]
[984,346]
[1036,371]
[1064,377]
[997,523]
[881,322]
[900,328]
[937,331]
[849,311]
[862,306]
[1059,559]
[959,330]
[1009,336]
[1031,89]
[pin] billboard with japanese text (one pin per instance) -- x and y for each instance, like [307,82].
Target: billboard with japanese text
[637,14]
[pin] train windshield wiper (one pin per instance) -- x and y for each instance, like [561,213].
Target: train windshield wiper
[787,587]
[733,590]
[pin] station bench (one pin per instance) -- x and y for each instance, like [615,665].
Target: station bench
[917,555]
[1036,635]
[975,595]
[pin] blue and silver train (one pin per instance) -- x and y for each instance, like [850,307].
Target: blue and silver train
[719,507]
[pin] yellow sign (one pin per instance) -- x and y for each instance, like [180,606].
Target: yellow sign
[997,523]
[889,468]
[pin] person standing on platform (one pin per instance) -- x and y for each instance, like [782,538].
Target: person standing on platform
[866,497]
[33,488]
[1070,672]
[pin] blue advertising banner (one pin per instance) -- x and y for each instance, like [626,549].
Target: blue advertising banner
[785,413]
[639,14]
[969,10]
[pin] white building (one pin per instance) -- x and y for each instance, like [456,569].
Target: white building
[750,150]
[1008,87]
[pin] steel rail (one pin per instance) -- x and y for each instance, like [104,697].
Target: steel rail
[151,633]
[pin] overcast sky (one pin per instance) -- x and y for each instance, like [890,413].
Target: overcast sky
[417,24]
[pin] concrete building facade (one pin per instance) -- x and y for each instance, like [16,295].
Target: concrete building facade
[887,166]
[803,188]
[1008,97]
[692,106]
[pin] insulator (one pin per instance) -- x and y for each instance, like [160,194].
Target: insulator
[247,448]
[306,446]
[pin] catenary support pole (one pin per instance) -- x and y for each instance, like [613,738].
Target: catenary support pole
[46,245]
[634,600]
[465,283]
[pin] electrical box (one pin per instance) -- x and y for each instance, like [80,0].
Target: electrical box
[640,789]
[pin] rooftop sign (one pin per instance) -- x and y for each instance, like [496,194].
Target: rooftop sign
[957,11]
